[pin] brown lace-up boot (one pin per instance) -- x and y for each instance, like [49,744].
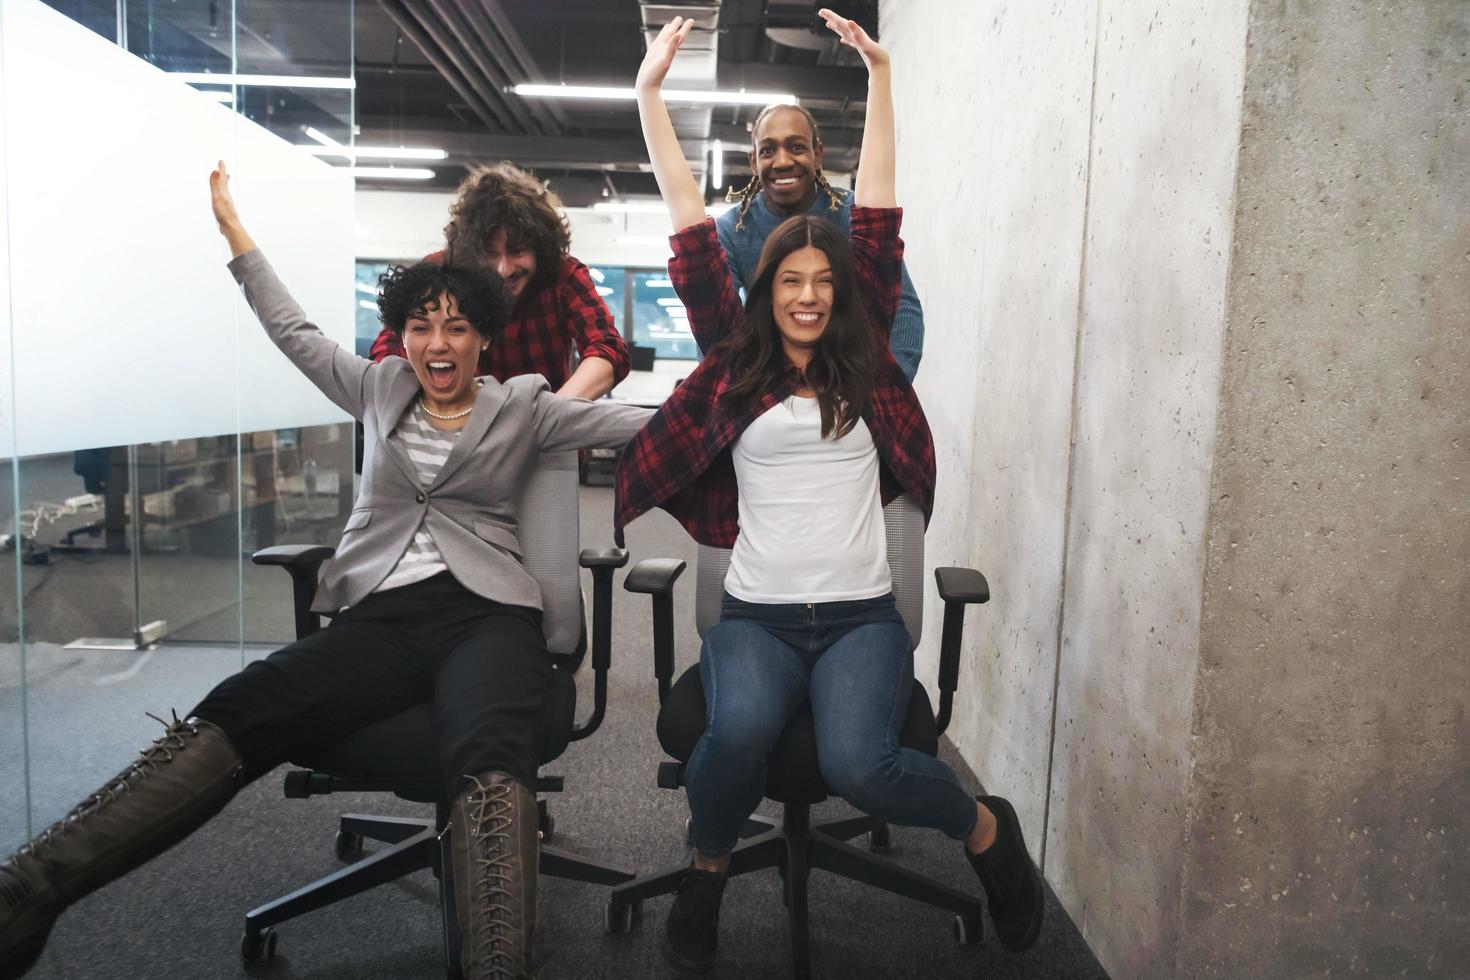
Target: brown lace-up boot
[174,785]
[493,843]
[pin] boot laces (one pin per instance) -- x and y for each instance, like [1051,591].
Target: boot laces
[495,939]
[161,752]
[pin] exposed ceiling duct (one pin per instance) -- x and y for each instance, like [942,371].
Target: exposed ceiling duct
[696,67]
[477,50]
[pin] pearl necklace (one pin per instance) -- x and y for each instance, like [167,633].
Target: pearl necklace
[444,418]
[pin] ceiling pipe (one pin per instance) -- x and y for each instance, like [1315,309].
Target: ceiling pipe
[406,23]
[464,43]
[438,34]
[506,40]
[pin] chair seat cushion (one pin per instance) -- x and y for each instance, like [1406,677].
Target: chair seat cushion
[401,752]
[793,775]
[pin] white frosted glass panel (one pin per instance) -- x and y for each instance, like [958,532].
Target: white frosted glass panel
[125,320]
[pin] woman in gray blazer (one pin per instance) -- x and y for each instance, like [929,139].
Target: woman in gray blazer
[430,602]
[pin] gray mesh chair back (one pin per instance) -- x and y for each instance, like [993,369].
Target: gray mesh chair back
[548,533]
[904,523]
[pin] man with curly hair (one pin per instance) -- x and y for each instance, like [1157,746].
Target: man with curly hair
[506,220]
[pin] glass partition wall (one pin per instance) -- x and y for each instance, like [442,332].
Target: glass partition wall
[150,438]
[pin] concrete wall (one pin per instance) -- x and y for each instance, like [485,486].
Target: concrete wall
[1195,280]
[1327,827]
[1166,110]
[992,173]
[1066,312]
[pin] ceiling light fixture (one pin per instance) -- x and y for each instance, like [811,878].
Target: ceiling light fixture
[619,94]
[717,164]
[267,81]
[378,152]
[332,148]
[649,207]
[389,173]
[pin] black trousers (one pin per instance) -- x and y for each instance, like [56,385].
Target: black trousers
[484,666]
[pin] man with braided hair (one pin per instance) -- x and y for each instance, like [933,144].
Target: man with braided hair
[785,180]
[507,221]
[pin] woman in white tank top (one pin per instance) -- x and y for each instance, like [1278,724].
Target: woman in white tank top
[820,427]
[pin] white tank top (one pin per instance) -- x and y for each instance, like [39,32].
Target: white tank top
[811,518]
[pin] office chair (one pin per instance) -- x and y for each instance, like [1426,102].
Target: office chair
[399,755]
[795,845]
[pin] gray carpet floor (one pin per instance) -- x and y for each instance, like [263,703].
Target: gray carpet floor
[181,915]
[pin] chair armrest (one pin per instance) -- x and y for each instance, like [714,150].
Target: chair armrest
[302,562]
[958,588]
[293,555]
[655,577]
[602,562]
[603,557]
[966,585]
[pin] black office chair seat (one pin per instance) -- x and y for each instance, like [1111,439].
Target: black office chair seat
[793,774]
[400,755]
[795,843]
[392,753]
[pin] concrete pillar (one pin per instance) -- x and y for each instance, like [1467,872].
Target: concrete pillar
[1326,822]
[1197,287]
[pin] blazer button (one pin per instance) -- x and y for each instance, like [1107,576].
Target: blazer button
[419,498]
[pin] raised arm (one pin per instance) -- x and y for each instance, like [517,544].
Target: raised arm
[339,374]
[675,181]
[875,175]
[222,203]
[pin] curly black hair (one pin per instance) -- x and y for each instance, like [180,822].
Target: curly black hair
[502,197]
[478,294]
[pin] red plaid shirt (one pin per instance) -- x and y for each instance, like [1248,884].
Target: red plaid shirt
[542,329]
[680,460]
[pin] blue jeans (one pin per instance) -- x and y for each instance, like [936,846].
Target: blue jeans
[854,662]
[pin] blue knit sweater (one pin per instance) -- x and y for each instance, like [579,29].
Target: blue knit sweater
[743,249]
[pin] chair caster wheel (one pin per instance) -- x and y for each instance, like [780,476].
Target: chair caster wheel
[547,827]
[969,929]
[618,917]
[261,946]
[879,838]
[348,846]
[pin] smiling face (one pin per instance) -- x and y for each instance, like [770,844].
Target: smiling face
[444,351]
[801,301]
[515,264]
[786,157]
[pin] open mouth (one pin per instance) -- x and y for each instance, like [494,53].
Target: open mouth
[786,183]
[441,374]
[806,319]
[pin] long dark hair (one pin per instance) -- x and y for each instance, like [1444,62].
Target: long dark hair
[843,368]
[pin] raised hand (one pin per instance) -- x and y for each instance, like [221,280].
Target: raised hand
[661,53]
[222,203]
[220,200]
[851,33]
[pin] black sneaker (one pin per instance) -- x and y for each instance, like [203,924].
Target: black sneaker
[1013,891]
[692,930]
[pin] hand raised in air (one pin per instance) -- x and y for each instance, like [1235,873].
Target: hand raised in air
[852,34]
[661,52]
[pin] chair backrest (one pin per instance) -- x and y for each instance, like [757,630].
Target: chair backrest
[549,535]
[904,523]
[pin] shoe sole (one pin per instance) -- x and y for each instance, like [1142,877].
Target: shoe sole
[1038,891]
[19,960]
[700,967]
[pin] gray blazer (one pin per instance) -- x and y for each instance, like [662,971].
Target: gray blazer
[469,508]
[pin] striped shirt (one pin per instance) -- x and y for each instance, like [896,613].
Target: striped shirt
[427,449]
